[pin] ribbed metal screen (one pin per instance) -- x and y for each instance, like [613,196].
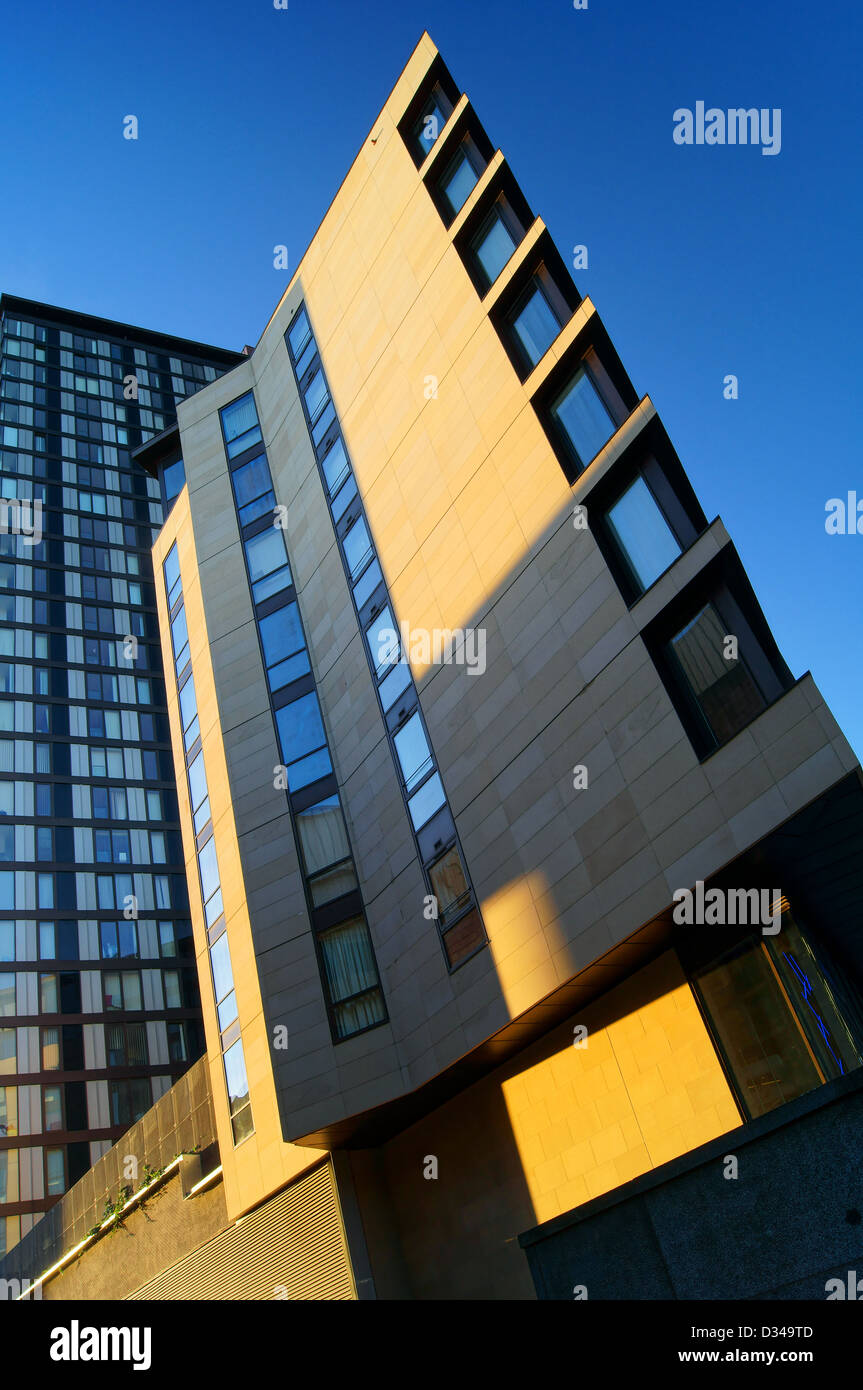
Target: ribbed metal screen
[293,1247]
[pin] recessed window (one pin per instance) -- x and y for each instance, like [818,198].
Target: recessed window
[432,120]
[722,688]
[582,418]
[494,243]
[533,322]
[643,536]
[461,177]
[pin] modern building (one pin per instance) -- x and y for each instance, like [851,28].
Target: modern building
[525,877]
[99,1007]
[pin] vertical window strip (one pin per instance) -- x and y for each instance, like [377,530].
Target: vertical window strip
[233,1060]
[459,922]
[346,961]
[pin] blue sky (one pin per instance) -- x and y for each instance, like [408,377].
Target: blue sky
[703,261]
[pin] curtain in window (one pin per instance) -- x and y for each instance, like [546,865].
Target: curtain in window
[322,835]
[240,417]
[350,968]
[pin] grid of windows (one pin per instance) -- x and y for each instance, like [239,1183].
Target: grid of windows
[349,973]
[459,921]
[86,779]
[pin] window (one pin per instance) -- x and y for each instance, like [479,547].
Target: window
[316,396]
[358,548]
[238,1092]
[177,1051]
[351,976]
[8,1111]
[382,637]
[426,801]
[414,755]
[122,990]
[723,691]
[432,120]
[198,793]
[52,1102]
[461,177]
[303,741]
[778,1023]
[189,713]
[8,1052]
[448,884]
[173,480]
[533,322]
[253,490]
[335,465]
[180,640]
[365,587]
[494,243]
[211,891]
[240,424]
[129,1100]
[300,334]
[581,419]
[7,995]
[268,564]
[119,940]
[223,982]
[284,646]
[325,850]
[50,1049]
[173,583]
[48,994]
[55,1172]
[644,538]
[126,1044]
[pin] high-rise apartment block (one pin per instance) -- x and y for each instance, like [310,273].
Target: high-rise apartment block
[99,1008]
[524,876]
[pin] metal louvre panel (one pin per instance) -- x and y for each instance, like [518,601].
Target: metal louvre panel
[295,1242]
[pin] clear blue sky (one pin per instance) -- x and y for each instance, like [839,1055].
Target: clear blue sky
[703,260]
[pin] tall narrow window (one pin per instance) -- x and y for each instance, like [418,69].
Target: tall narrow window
[721,686]
[582,418]
[644,538]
